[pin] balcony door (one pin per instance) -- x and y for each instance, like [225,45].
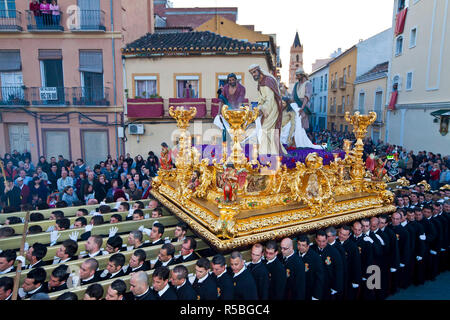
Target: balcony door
[7,8]
[91,69]
[89,14]
[51,77]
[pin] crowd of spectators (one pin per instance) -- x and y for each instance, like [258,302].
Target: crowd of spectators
[61,182]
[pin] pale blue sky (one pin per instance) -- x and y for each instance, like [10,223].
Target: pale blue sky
[323,25]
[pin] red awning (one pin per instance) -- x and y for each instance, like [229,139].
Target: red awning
[400,21]
[393,101]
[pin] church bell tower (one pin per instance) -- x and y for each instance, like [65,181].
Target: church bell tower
[296,59]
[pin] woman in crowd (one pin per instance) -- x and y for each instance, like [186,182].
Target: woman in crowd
[44,164]
[69,196]
[38,189]
[139,163]
[101,187]
[88,193]
[46,13]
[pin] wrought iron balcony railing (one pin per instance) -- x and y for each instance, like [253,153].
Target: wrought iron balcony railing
[89,20]
[37,21]
[10,20]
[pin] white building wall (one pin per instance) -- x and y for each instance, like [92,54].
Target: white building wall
[373,51]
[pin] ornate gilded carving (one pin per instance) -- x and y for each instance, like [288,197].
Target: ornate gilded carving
[314,195]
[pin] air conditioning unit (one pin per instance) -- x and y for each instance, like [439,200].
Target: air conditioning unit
[136,129]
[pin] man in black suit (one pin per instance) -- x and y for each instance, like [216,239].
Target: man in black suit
[430,239]
[136,240]
[137,262]
[6,288]
[165,256]
[295,271]
[179,280]
[117,290]
[156,235]
[403,247]
[180,232]
[437,245]
[277,272]
[444,222]
[161,284]
[139,287]
[331,238]
[7,259]
[88,272]
[114,244]
[225,288]
[204,283]
[243,281]
[187,251]
[35,254]
[377,246]
[314,270]
[259,272]
[114,269]
[383,260]
[58,279]
[93,247]
[66,252]
[33,283]
[353,258]
[392,255]
[334,269]
[419,245]
[364,245]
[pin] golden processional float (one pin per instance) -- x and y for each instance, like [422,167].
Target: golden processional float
[235,202]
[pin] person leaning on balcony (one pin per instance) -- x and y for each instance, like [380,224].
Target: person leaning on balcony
[54,7]
[46,13]
[35,8]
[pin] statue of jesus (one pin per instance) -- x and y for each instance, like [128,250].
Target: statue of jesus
[271,108]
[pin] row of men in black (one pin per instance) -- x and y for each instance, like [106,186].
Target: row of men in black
[413,248]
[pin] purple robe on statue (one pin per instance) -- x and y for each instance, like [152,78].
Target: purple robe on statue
[237,98]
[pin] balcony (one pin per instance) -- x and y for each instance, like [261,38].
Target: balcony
[10,20]
[333,85]
[13,96]
[89,20]
[44,23]
[54,96]
[341,109]
[333,109]
[89,96]
[342,83]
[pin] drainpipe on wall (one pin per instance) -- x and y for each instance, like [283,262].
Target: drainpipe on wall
[114,75]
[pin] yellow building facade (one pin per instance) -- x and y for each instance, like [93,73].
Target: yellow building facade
[341,89]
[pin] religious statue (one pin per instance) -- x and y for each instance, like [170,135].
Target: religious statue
[166,157]
[313,189]
[302,95]
[379,172]
[271,108]
[195,180]
[230,179]
[287,123]
[232,95]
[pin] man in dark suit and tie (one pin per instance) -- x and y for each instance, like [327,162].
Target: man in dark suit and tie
[140,288]
[334,270]
[259,272]
[88,272]
[180,281]
[204,283]
[6,288]
[137,262]
[156,235]
[295,271]
[187,251]
[161,284]
[35,254]
[243,281]
[277,272]
[58,279]
[165,256]
[353,262]
[403,246]
[33,283]
[225,288]
[114,269]
[314,269]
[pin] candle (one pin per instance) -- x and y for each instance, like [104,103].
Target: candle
[255,152]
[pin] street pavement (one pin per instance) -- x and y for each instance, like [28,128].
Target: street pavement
[438,289]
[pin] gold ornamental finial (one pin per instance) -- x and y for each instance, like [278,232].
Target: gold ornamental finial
[182,116]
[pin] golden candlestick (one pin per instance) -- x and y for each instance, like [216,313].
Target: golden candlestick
[183,116]
[238,120]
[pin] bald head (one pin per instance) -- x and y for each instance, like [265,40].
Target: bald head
[287,247]
[357,228]
[139,283]
[396,218]
[374,222]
